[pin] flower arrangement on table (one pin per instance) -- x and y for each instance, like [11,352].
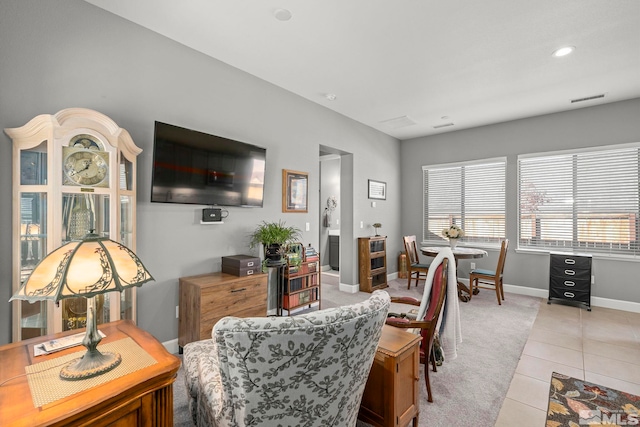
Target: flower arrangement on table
[453,233]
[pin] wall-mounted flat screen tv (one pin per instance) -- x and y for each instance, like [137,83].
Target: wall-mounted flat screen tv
[198,168]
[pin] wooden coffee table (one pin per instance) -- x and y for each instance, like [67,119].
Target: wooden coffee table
[391,395]
[141,398]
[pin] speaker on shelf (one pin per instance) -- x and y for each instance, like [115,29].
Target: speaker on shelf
[211,214]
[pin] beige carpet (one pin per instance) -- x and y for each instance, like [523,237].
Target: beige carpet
[467,391]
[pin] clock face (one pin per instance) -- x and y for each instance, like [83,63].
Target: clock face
[85,167]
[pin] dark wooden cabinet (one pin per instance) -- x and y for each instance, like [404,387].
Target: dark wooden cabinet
[372,263]
[207,298]
[334,252]
[570,278]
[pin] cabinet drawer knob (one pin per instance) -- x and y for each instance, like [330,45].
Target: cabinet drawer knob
[569,295]
[238,290]
[569,261]
[569,272]
[569,283]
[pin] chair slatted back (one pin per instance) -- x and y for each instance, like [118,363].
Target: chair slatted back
[411,249]
[503,257]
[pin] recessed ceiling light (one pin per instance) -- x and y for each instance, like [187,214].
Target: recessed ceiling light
[282,14]
[563,51]
[330,96]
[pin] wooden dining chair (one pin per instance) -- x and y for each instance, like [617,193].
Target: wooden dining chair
[488,279]
[414,266]
[426,325]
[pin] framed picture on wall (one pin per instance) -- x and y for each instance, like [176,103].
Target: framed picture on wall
[295,194]
[377,190]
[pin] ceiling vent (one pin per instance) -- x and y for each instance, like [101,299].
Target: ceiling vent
[588,98]
[443,125]
[399,122]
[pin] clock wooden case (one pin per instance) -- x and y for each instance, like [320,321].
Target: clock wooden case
[73,171]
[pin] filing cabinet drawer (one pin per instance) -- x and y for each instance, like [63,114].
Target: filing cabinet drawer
[571,262]
[569,294]
[570,273]
[570,283]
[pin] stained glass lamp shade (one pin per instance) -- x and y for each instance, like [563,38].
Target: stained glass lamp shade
[85,268]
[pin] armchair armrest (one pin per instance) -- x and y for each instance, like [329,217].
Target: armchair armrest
[406,323]
[405,300]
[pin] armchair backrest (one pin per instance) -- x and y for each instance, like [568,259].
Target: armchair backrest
[306,370]
[438,292]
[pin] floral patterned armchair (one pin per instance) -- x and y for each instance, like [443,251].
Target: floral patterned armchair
[307,370]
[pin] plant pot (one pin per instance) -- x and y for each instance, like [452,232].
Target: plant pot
[273,254]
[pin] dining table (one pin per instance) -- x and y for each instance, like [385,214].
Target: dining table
[459,252]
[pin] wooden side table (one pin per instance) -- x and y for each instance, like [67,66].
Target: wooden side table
[390,397]
[142,398]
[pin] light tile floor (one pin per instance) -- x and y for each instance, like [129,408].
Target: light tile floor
[601,346]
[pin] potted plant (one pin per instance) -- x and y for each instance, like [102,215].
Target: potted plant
[274,237]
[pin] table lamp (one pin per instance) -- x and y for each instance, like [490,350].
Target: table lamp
[85,268]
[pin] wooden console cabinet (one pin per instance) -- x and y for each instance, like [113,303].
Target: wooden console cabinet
[372,263]
[141,398]
[207,298]
[390,397]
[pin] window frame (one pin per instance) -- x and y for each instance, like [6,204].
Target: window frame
[487,242]
[577,215]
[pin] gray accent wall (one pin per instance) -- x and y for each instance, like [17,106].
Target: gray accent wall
[69,53]
[615,123]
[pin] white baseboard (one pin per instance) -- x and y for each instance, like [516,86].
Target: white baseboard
[171,346]
[351,289]
[615,304]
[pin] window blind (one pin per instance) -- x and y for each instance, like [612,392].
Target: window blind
[470,195]
[583,200]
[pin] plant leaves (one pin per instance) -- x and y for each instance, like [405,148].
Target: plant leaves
[557,408]
[557,384]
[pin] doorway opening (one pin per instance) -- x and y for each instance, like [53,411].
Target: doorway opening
[337,252]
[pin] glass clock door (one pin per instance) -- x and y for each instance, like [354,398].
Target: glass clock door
[81,214]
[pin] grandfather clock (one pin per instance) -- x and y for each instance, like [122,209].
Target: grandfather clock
[73,172]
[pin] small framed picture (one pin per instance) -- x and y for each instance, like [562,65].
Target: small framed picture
[377,190]
[295,187]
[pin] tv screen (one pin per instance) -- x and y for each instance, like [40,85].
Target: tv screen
[197,168]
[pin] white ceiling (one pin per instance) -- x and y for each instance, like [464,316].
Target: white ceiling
[469,63]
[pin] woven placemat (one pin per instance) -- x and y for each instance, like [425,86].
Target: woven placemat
[47,387]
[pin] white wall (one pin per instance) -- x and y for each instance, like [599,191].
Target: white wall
[614,123]
[68,53]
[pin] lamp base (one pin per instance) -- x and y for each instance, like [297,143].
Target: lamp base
[92,364]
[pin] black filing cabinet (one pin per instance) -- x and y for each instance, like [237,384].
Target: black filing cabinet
[570,278]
